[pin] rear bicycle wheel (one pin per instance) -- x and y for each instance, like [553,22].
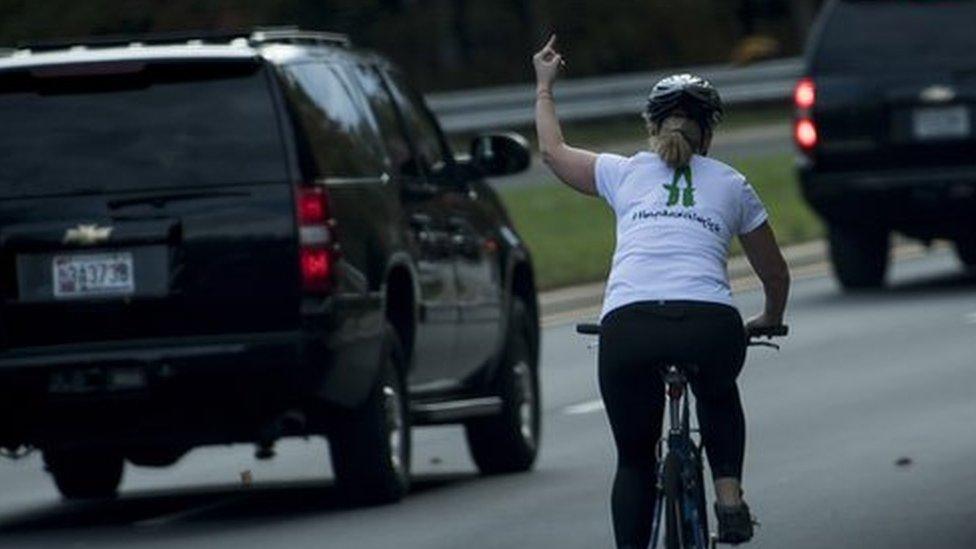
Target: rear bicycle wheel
[680,528]
[698,492]
[674,535]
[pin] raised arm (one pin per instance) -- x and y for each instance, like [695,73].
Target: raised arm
[766,259]
[574,167]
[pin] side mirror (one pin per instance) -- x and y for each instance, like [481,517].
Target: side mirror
[501,154]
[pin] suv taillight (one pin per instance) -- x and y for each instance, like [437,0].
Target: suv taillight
[804,127]
[318,248]
[805,94]
[805,133]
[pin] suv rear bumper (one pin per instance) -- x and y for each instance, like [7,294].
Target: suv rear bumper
[176,392]
[937,202]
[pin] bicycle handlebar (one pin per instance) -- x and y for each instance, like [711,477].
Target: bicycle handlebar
[767,331]
[588,329]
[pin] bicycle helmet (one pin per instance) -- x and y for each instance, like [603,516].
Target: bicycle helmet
[692,94]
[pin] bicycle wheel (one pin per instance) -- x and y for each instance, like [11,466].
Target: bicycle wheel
[698,492]
[674,535]
[679,530]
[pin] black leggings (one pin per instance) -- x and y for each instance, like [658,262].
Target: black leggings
[636,340]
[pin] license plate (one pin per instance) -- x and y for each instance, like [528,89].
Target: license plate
[942,123]
[93,275]
[92,380]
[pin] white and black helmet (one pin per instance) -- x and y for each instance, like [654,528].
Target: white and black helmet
[692,94]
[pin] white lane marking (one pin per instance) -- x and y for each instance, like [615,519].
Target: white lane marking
[584,408]
[168,518]
[971,318]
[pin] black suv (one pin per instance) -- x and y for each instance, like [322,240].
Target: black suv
[214,239]
[886,122]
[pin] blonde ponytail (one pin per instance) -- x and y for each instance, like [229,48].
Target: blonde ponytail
[676,139]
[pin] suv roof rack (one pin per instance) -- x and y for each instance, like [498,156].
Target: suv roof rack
[256,36]
[295,35]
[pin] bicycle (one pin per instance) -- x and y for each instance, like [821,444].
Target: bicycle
[681,486]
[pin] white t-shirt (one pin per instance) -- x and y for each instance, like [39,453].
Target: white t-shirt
[674,228]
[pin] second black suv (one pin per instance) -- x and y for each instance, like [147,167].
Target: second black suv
[886,122]
[246,236]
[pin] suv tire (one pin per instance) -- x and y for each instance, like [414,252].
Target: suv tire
[85,474]
[859,256]
[509,441]
[966,251]
[371,447]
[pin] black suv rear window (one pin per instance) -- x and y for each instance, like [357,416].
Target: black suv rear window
[876,35]
[174,125]
[341,141]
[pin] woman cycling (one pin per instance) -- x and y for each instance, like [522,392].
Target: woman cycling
[668,297]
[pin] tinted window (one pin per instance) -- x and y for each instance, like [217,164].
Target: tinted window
[387,119]
[165,126]
[430,145]
[875,35]
[339,137]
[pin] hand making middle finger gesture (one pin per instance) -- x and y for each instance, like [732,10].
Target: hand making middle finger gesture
[547,63]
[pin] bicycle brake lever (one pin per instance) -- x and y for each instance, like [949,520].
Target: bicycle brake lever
[765,344]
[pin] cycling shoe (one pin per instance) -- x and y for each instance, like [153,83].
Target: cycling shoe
[734,523]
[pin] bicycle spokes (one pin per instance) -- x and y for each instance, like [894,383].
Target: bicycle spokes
[658,512]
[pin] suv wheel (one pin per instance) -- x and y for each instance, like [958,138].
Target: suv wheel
[509,442]
[859,256]
[371,447]
[966,251]
[85,474]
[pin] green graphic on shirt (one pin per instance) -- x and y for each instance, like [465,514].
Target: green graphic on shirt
[676,193]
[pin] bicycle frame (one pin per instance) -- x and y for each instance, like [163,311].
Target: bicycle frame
[679,443]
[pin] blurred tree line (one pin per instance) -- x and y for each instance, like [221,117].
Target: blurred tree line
[462,43]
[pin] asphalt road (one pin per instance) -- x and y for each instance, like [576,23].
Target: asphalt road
[861,435]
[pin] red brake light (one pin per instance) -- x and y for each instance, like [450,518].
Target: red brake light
[318,250]
[312,206]
[316,266]
[805,133]
[805,94]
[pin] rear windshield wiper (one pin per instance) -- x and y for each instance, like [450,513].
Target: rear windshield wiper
[159,200]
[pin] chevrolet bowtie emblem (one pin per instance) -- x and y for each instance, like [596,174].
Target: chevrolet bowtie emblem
[938,94]
[87,235]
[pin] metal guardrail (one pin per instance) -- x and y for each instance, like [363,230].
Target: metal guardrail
[588,98]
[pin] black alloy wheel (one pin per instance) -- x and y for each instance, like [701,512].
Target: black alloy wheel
[371,448]
[509,441]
